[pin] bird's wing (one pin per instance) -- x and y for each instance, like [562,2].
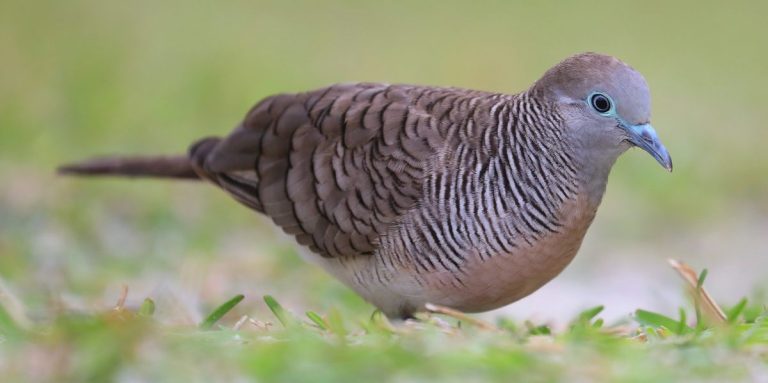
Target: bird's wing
[334,167]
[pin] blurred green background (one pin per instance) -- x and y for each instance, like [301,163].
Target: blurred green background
[80,78]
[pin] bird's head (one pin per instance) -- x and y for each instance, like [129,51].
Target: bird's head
[606,104]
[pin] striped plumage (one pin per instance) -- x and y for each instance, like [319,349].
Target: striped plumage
[417,194]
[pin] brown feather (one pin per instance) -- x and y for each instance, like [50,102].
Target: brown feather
[160,166]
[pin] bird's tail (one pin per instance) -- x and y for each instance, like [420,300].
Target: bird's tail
[179,167]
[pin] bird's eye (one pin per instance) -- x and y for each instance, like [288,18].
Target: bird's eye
[600,102]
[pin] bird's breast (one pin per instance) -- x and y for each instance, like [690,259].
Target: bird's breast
[513,275]
[472,269]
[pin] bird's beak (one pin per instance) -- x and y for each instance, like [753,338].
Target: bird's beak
[644,137]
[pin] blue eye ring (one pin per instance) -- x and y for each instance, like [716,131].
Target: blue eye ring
[601,103]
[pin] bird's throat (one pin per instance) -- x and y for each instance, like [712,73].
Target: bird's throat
[593,173]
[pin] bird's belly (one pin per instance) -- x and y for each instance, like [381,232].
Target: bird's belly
[483,283]
[508,277]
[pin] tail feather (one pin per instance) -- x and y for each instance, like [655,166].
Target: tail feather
[156,166]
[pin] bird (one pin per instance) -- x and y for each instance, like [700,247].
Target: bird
[412,195]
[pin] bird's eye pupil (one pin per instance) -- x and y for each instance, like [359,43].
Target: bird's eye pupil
[601,103]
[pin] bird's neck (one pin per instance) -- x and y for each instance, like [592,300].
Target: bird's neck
[592,155]
[595,157]
[593,174]
[534,151]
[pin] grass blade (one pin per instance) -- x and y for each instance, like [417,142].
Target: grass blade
[589,314]
[220,311]
[682,324]
[656,320]
[317,320]
[702,277]
[700,294]
[8,327]
[278,310]
[147,308]
[735,311]
[336,323]
[460,316]
[537,330]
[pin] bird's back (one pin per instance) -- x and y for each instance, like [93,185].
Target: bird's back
[337,166]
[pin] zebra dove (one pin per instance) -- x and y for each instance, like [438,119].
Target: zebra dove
[412,194]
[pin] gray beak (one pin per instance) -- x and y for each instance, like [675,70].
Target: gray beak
[645,137]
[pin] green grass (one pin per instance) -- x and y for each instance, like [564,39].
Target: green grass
[120,343]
